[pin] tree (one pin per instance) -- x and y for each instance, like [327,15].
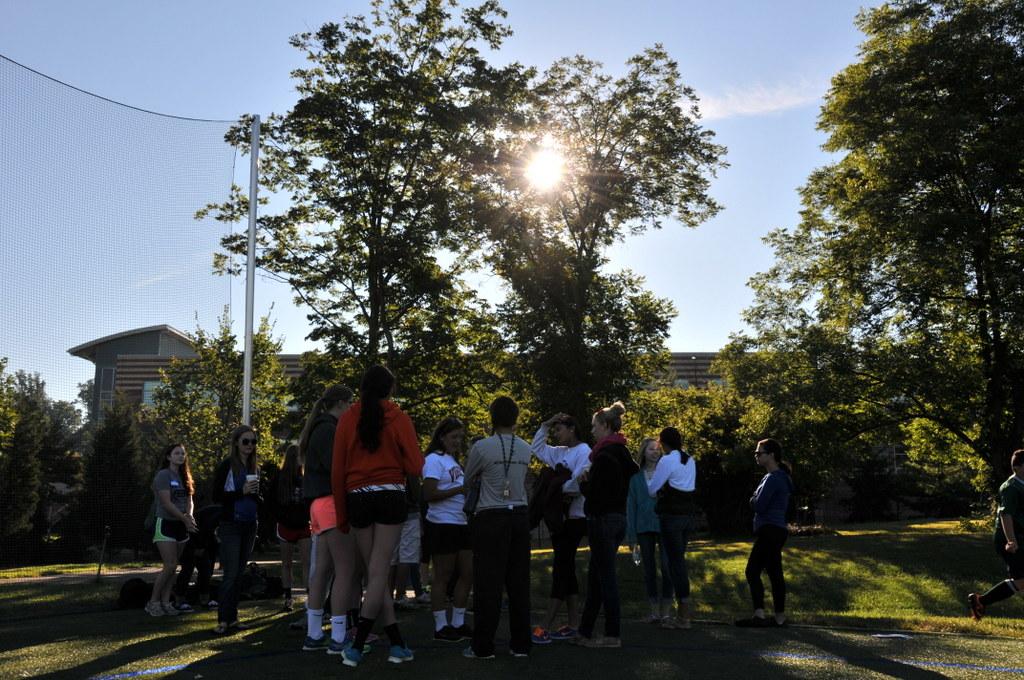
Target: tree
[116,480]
[20,473]
[379,158]
[199,400]
[909,253]
[635,155]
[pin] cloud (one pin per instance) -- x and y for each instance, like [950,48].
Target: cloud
[759,99]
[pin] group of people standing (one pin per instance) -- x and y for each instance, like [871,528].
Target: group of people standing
[345,491]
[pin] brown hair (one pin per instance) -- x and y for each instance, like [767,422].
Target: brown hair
[331,396]
[1017,458]
[611,416]
[235,455]
[291,467]
[183,472]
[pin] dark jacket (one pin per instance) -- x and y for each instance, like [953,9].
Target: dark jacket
[607,485]
[293,510]
[227,499]
[547,501]
[316,479]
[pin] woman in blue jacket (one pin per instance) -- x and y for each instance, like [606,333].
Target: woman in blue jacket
[643,532]
[769,502]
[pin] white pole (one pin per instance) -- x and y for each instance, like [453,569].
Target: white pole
[250,270]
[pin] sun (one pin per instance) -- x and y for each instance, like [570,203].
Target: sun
[546,167]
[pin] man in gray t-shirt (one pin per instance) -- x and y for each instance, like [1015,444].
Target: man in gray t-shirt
[501,460]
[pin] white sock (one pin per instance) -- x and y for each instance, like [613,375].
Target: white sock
[440,619]
[458,616]
[315,623]
[338,628]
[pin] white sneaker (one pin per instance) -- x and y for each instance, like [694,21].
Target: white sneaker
[154,609]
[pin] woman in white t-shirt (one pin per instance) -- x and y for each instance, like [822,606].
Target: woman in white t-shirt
[446,532]
[573,453]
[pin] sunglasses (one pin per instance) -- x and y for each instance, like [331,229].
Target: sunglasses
[247,441]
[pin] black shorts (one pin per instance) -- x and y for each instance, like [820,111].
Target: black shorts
[365,508]
[169,530]
[446,539]
[1014,561]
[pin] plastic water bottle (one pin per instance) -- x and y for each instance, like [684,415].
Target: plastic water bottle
[636,555]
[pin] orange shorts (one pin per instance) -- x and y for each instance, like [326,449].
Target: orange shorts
[322,516]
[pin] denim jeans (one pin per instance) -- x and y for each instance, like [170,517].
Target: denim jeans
[675,533]
[605,533]
[236,541]
[649,542]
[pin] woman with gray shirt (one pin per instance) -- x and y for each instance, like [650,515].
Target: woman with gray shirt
[500,534]
[172,489]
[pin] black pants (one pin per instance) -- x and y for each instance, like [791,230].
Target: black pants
[199,559]
[766,555]
[563,566]
[605,533]
[501,561]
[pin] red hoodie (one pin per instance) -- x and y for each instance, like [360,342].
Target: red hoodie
[353,467]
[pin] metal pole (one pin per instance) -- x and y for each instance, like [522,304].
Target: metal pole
[250,270]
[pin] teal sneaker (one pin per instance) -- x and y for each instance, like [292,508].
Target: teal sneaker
[399,654]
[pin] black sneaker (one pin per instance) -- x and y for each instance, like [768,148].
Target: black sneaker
[447,634]
[976,607]
[466,631]
[754,622]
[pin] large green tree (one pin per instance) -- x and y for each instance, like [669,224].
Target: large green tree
[397,116]
[23,425]
[116,481]
[909,258]
[635,155]
[199,400]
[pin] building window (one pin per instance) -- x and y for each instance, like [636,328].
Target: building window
[106,388]
[148,390]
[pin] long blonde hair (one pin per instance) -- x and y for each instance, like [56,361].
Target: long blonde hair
[611,416]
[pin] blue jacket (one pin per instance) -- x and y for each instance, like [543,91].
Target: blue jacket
[771,499]
[640,515]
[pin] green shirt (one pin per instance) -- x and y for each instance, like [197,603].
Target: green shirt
[1011,502]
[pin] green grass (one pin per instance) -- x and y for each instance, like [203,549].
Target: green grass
[910,577]
[36,571]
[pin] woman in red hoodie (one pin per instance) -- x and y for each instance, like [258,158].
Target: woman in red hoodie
[375,447]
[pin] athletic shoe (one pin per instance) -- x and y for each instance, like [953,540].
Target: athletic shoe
[518,655]
[466,631]
[447,634]
[754,622]
[654,618]
[212,604]
[399,654]
[539,636]
[351,657]
[170,609]
[676,623]
[422,598]
[184,608]
[975,606]
[289,604]
[155,609]
[350,636]
[314,645]
[468,653]
[336,648]
[298,624]
[564,633]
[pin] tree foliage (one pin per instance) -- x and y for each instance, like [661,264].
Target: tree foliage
[635,154]
[116,480]
[901,292]
[199,400]
[23,410]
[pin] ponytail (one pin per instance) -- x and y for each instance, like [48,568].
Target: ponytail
[332,395]
[375,387]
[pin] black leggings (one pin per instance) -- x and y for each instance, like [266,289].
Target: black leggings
[563,567]
[766,555]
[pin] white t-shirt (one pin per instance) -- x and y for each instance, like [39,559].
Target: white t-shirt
[576,459]
[672,471]
[448,473]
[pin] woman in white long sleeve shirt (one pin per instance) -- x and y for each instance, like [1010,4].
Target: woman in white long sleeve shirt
[674,483]
[574,455]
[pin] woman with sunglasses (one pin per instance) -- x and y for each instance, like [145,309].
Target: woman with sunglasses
[769,502]
[236,487]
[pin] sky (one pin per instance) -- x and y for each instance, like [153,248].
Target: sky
[759,67]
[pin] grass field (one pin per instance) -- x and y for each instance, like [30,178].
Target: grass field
[843,588]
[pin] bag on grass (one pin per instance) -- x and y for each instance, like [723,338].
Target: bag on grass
[134,594]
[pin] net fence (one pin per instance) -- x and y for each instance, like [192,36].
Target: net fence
[104,269]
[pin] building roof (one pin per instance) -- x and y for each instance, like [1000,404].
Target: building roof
[88,350]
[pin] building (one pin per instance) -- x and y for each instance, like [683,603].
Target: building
[130,362]
[693,369]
